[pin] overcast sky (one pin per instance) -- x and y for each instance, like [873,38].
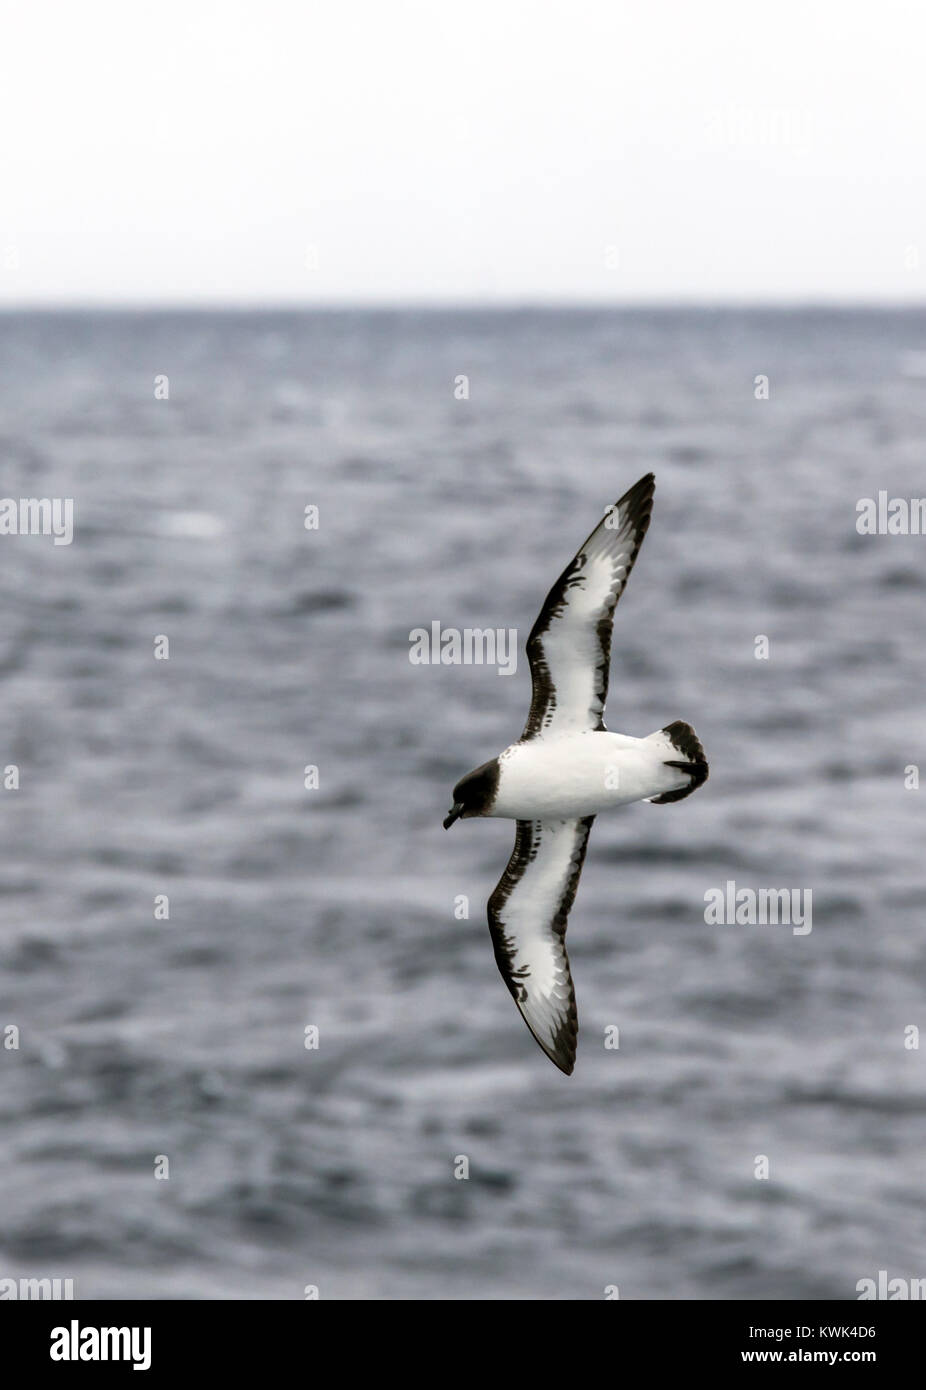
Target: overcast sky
[491,150]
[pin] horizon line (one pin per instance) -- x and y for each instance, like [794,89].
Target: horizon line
[411,305]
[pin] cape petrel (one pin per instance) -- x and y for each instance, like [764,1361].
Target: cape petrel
[565,768]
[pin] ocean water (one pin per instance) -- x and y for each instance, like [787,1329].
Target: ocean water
[333,907]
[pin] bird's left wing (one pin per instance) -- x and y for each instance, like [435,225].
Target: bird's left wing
[569,648]
[527,919]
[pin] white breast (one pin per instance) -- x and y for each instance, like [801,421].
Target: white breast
[575,775]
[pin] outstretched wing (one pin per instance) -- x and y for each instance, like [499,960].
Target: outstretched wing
[569,648]
[527,919]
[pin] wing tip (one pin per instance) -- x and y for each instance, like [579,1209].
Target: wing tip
[638,501]
[567,1066]
[563,1055]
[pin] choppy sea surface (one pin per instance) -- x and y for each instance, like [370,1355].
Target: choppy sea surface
[334,907]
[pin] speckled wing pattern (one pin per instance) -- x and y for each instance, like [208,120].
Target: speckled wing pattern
[527,918]
[569,648]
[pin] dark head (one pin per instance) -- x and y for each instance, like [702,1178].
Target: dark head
[474,794]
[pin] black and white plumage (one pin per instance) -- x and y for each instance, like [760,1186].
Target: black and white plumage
[569,648]
[564,769]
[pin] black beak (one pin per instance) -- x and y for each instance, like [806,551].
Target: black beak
[456,812]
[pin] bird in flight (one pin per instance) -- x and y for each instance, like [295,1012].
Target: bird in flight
[564,769]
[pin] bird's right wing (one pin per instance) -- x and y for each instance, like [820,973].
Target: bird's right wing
[569,648]
[527,918]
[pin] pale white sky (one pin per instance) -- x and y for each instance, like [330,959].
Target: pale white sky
[489,151]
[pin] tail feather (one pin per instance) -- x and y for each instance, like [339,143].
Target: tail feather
[682,738]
